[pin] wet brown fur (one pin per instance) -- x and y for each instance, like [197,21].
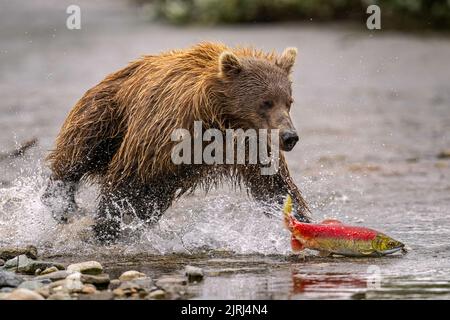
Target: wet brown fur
[118,133]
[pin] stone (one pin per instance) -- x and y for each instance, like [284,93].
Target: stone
[60,296]
[73,282]
[34,284]
[119,292]
[3,295]
[99,295]
[7,253]
[87,267]
[100,281]
[24,294]
[44,291]
[54,276]
[23,264]
[49,270]
[171,281]
[144,283]
[2,262]
[157,294]
[9,279]
[194,273]
[88,289]
[37,272]
[114,284]
[129,286]
[131,275]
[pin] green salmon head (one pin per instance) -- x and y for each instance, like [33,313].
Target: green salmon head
[383,244]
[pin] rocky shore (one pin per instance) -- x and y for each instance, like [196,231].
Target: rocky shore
[23,276]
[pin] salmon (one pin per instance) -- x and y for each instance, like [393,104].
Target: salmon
[332,237]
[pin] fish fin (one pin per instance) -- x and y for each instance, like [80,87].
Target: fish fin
[331,221]
[296,245]
[287,210]
[324,253]
[370,252]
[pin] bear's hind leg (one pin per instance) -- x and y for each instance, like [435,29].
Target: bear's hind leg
[147,203]
[108,220]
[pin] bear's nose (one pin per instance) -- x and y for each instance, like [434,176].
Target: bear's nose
[289,139]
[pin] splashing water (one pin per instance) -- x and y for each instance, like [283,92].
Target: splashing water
[221,220]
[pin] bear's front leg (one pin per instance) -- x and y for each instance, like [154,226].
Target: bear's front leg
[274,188]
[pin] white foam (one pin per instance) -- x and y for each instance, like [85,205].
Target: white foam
[221,220]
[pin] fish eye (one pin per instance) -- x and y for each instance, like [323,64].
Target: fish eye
[392,243]
[267,104]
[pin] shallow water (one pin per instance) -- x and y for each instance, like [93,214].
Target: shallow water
[373,112]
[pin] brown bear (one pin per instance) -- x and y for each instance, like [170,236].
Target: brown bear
[119,132]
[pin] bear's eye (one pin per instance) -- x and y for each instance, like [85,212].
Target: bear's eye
[267,104]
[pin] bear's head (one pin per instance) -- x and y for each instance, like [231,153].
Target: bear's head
[258,93]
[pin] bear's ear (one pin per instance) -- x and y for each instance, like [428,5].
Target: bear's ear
[287,59]
[229,64]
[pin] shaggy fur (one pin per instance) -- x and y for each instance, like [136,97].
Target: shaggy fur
[118,134]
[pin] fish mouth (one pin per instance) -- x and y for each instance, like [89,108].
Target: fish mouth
[393,250]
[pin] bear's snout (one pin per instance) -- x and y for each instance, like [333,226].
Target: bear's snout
[288,140]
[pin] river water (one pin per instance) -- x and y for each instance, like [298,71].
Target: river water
[373,113]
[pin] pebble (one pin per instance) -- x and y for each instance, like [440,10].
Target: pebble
[2,262]
[7,253]
[9,279]
[100,280]
[89,289]
[73,282]
[60,296]
[114,284]
[144,283]
[119,292]
[86,281]
[49,270]
[87,267]
[23,264]
[171,281]
[194,273]
[99,295]
[157,294]
[3,295]
[24,294]
[129,286]
[54,276]
[127,289]
[131,275]
[44,291]
[34,284]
